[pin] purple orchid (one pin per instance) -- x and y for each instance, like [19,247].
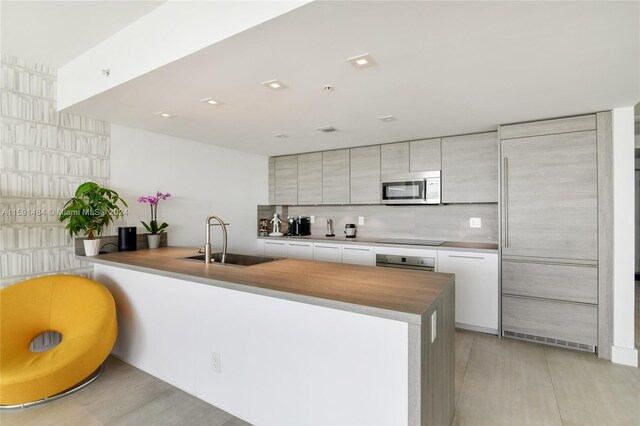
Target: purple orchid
[153,201]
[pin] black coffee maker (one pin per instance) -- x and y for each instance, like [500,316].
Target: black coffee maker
[299,226]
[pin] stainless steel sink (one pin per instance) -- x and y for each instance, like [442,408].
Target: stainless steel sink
[232,259]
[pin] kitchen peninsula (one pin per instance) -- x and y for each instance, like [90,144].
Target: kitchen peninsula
[345,344]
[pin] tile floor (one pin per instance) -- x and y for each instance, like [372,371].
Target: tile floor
[498,382]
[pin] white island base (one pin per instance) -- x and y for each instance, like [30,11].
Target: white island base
[273,361]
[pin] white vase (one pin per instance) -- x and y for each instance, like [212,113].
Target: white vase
[153,241]
[91,247]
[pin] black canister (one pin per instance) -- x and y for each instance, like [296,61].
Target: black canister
[127,238]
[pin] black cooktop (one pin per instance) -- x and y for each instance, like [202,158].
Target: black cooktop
[410,242]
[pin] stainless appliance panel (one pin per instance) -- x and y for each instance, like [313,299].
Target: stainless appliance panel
[406,262]
[411,188]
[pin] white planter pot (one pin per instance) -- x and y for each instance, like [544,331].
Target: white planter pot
[153,241]
[91,247]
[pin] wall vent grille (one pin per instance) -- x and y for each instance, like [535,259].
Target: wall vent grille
[550,341]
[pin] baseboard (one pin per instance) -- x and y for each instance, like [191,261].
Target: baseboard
[477,328]
[625,356]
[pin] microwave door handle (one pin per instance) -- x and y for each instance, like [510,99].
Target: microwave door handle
[424,189]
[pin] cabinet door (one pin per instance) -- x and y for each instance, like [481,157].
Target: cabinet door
[300,250]
[470,168]
[425,155]
[476,288]
[358,255]
[549,196]
[286,178]
[310,178]
[572,283]
[275,248]
[394,158]
[365,175]
[335,177]
[327,252]
[272,181]
[566,322]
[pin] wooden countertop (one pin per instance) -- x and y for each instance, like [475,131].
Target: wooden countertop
[399,294]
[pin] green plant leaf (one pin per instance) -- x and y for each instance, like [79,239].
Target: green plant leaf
[91,210]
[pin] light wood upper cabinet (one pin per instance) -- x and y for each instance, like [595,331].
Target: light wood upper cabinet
[394,158]
[272,181]
[365,175]
[424,155]
[335,177]
[286,180]
[310,178]
[470,168]
[550,196]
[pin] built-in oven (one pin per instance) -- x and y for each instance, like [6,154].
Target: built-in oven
[420,263]
[411,188]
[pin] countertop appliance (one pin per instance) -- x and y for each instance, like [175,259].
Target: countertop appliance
[411,188]
[406,262]
[350,230]
[299,226]
[410,242]
[330,229]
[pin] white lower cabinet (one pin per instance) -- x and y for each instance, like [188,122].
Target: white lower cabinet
[476,288]
[300,250]
[275,248]
[358,255]
[327,252]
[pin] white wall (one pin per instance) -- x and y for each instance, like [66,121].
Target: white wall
[623,350]
[203,180]
[171,31]
[282,362]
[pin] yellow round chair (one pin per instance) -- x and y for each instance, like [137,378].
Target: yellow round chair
[80,309]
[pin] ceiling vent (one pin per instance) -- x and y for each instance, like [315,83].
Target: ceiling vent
[326,129]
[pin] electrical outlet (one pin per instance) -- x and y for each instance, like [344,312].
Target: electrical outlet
[360,220]
[475,222]
[434,326]
[312,219]
[215,362]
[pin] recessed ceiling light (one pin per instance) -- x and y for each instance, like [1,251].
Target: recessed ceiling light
[275,84]
[164,114]
[211,101]
[387,118]
[280,135]
[362,61]
[326,129]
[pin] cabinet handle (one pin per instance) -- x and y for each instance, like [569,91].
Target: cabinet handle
[466,257]
[506,202]
[274,243]
[356,249]
[300,245]
[329,247]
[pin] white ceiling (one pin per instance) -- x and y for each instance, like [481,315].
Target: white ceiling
[53,32]
[442,68]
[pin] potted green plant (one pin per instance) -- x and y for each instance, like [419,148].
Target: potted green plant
[90,210]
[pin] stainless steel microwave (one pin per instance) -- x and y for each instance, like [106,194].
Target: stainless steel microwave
[411,188]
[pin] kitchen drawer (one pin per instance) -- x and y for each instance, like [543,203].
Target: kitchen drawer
[568,323]
[573,283]
[300,250]
[275,248]
[327,252]
[358,255]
